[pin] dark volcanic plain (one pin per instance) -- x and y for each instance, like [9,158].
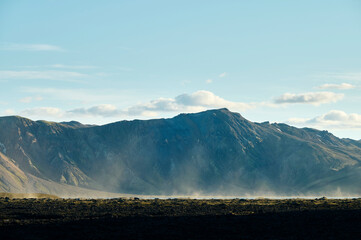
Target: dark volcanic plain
[180,218]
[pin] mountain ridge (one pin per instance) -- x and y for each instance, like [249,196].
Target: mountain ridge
[211,152]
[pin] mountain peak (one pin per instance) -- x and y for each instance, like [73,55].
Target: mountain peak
[14,117]
[214,112]
[222,110]
[17,120]
[214,151]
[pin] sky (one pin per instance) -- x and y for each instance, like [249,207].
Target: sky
[295,62]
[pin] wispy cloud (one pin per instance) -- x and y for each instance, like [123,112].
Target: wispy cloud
[208,81]
[29,47]
[62,66]
[315,98]
[44,111]
[124,69]
[104,110]
[46,75]
[82,95]
[222,75]
[185,82]
[9,112]
[341,86]
[333,119]
[346,76]
[30,99]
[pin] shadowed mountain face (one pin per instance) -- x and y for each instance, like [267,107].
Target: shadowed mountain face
[212,152]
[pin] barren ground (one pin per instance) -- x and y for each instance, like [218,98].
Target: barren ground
[120,218]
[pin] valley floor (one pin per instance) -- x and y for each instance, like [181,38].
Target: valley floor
[180,218]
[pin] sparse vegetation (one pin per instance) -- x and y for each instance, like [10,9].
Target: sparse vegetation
[179,218]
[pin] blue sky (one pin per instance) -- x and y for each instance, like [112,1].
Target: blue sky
[297,62]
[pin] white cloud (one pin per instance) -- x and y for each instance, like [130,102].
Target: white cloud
[315,98]
[29,47]
[222,75]
[194,102]
[158,105]
[335,119]
[210,100]
[44,75]
[208,81]
[342,86]
[30,99]
[45,112]
[104,110]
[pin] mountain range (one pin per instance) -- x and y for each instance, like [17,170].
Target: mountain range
[216,152]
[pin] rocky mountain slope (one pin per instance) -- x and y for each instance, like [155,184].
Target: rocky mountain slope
[212,152]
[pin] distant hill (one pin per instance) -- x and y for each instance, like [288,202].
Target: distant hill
[212,152]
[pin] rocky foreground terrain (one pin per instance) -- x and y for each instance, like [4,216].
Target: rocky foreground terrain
[216,152]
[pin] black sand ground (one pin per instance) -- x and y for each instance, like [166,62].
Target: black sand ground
[180,219]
